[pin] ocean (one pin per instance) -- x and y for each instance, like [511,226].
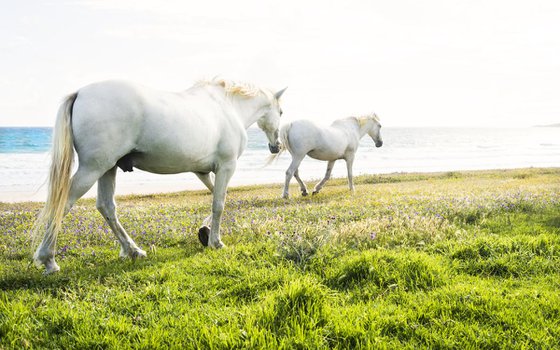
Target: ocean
[24,158]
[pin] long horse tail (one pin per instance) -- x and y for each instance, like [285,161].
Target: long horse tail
[59,182]
[284,143]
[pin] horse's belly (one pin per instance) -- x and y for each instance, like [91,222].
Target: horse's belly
[170,165]
[327,155]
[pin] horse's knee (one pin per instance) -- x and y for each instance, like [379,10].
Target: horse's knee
[218,207]
[100,208]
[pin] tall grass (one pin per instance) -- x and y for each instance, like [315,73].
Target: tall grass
[445,260]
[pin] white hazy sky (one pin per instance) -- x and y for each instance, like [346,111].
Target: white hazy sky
[415,63]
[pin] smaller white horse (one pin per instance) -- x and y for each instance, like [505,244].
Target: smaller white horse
[340,140]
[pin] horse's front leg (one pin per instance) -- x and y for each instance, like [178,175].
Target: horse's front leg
[349,163]
[211,236]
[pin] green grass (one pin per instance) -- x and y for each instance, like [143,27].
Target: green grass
[447,260]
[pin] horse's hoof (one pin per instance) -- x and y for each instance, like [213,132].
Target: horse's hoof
[314,193]
[218,245]
[285,196]
[203,234]
[137,253]
[304,194]
[51,268]
[133,253]
[48,262]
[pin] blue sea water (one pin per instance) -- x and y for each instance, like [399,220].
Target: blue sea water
[24,158]
[25,140]
[38,139]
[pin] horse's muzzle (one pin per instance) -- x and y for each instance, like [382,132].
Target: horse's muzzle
[378,144]
[273,148]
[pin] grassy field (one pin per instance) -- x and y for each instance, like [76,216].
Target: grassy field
[449,260]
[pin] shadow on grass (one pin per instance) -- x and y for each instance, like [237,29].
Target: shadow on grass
[553,222]
[79,271]
[328,194]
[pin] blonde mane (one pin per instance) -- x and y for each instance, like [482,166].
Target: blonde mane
[362,120]
[235,88]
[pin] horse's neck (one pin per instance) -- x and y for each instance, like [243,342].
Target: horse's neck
[362,128]
[352,127]
[246,108]
[249,109]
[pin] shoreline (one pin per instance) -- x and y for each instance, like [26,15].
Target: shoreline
[131,188]
[23,175]
[165,187]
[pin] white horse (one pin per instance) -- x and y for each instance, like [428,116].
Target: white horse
[118,124]
[338,141]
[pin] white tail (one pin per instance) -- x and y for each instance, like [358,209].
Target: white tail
[284,143]
[50,218]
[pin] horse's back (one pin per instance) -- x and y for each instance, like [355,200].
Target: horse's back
[125,102]
[164,131]
[302,135]
[323,143]
[105,96]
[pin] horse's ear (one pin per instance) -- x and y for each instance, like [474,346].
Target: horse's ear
[279,93]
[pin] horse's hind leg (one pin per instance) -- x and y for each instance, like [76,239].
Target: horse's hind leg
[107,207]
[82,181]
[302,186]
[296,161]
[320,185]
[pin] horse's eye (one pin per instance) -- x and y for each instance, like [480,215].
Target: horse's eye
[281,112]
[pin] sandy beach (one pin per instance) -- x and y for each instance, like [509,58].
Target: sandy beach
[127,188]
[124,189]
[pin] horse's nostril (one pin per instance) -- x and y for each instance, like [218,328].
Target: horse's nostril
[273,148]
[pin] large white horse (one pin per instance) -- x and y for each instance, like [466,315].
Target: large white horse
[338,141]
[118,124]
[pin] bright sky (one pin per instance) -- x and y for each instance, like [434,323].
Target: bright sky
[415,63]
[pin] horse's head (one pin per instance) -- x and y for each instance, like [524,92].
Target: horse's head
[374,130]
[270,122]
